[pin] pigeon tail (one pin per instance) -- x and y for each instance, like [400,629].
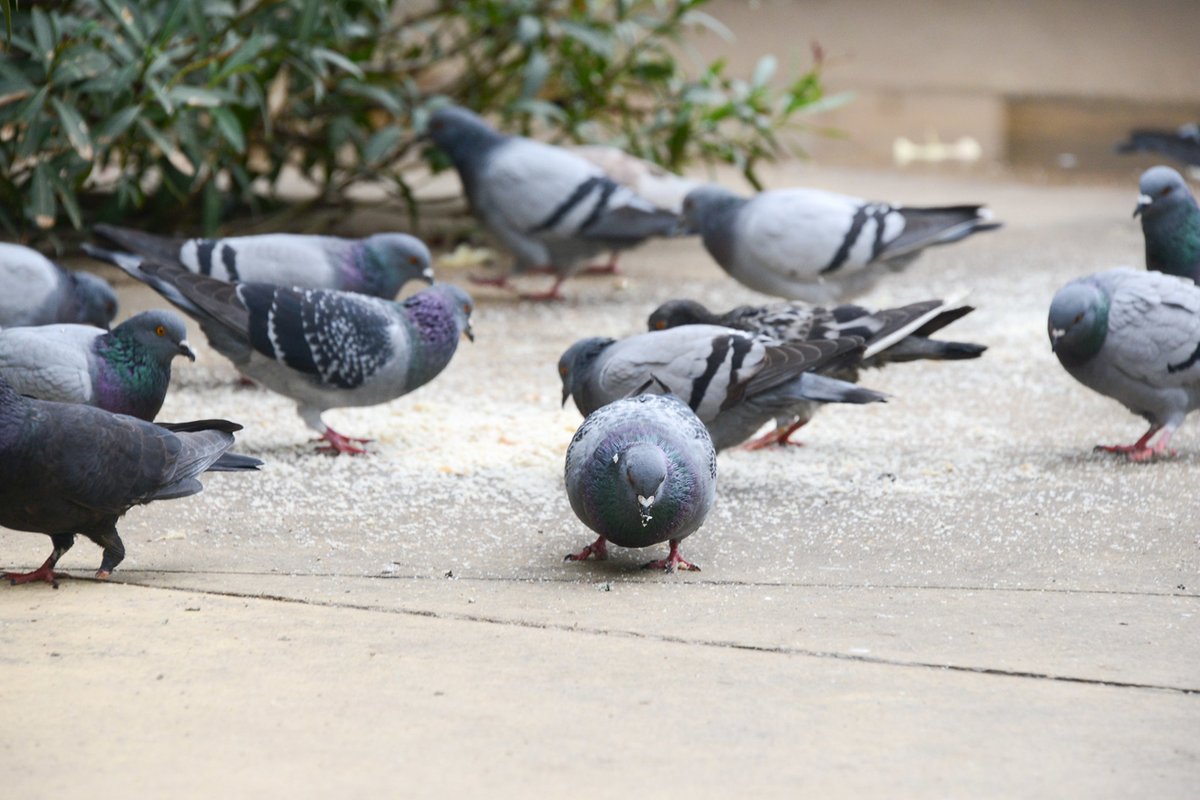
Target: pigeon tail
[144,244]
[823,389]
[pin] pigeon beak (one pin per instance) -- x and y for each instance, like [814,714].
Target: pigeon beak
[566,394]
[469,332]
[186,350]
[427,275]
[644,506]
[1055,335]
[1144,200]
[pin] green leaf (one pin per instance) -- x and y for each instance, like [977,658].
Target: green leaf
[43,36]
[70,203]
[41,209]
[382,143]
[197,97]
[246,52]
[168,148]
[230,128]
[115,125]
[597,41]
[75,128]
[537,69]
[338,60]
[764,71]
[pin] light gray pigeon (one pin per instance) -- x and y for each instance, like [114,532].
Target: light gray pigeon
[551,208]
[641,471]
[323,349]
[1170,223]
[1135,337]
[378,265]
[1181,144]
[70,469]
[734,381]
[817,246]
[892,335]
[36,291]
[125,371]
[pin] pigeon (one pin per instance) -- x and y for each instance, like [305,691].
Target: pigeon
[378,265]
[324,349]
[1181,144]
[892,335]
[1133,336]
[550,207]
[734,381]
[36,291]
[69,469]
[640,471]
[1170,223]
[125,371]
[816,246]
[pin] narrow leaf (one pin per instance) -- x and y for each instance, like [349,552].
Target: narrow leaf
[230,128]
[75,128]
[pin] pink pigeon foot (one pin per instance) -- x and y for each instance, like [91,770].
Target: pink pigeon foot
[778,436]
[598,548]
[608,268]
[551,294]
[43,573]
[672,562]
[1141,450]
[336,443]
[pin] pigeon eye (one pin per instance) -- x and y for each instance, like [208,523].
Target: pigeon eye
[660,324]
[160,331]
[467,308]
[412,260]
[562,370]
[1078,317]
[1166,191]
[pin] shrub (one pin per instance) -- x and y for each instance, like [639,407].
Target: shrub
[187,111]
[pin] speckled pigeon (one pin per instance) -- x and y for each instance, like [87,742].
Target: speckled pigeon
[551,208]
[1135,337]
[36,291]
[1181,144]
[378,265]
[640,471]
[892,335]
[70,469]
[323,349]
[1170,223]
[125,371]
[734,381]
[817,246]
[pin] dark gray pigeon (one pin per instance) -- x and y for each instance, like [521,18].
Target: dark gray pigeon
[641,471]
[1181,144]
[817,246]
[323,349]
[551,208]
[125,371]
[378,265]
[1170,223]
[70,469]
[734,381]
[1135,337]
[36,291]
[892,335]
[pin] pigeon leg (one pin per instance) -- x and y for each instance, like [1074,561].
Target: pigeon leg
[62,543]
[114,550]
[608,268]
[336,443]
[1158,450]
[672,562]
[500,282]
[1139,450]
[598,548]
[778,436]
[551,294]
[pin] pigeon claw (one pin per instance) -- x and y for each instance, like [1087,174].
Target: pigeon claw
[336,444]
[598,549]
[43,573]
[672,562]
[778,436]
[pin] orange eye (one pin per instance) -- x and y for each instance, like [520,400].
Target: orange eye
[467,309]
[413,260]
[160,330]
[658,326]
[562,371]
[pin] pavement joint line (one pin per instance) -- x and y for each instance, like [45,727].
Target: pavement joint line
[688,582]
[668,639]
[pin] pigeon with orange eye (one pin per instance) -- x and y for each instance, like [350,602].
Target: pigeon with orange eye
[378,265]
[1170,223]
[125,371]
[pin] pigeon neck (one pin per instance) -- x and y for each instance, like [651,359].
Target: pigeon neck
[1088,342]
[1173,240]
[718,227]
[372,273]
[130,380]
[435,330]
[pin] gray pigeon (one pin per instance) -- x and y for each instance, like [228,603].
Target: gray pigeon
[892,335]
[548,206]
[1135,337]
[36,291]
[69,469]
[125,371]
[323,349]
[734,381]
[1181,144]
[378,265]
[807,244]
[1170,223]
[641,471]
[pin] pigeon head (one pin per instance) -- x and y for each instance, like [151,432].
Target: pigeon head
[393,259]
[705,204]
[160,333]
[1162,189]
[1078,322]
[450,302]
[576,362]
[95,300]
[463,135]
[674,313]
[643,469]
